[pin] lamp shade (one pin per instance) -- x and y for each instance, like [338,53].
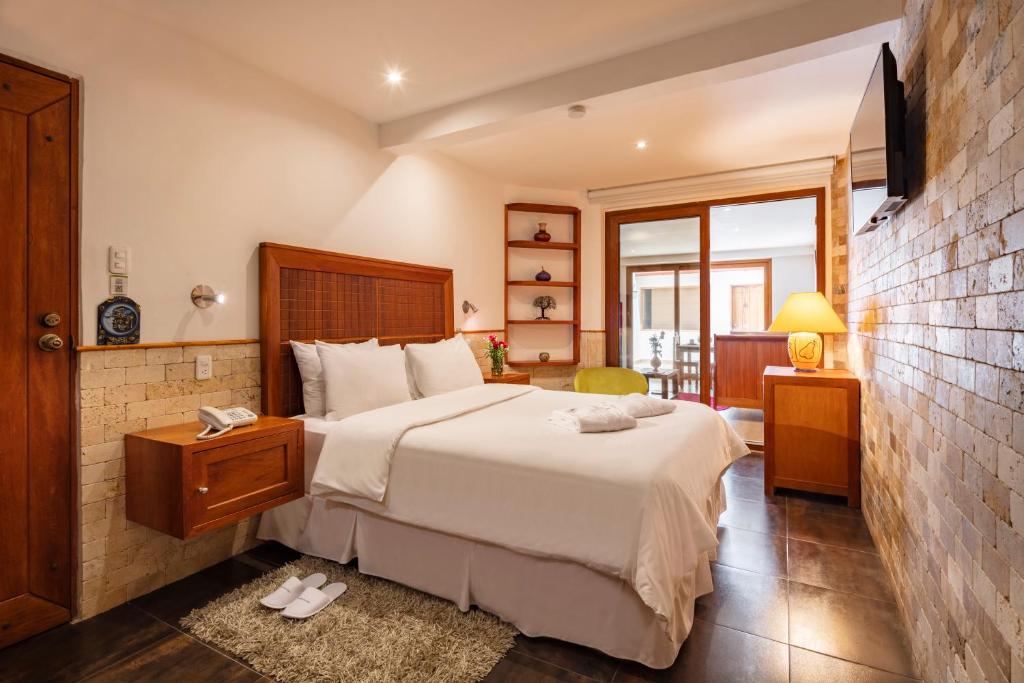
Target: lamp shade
[807,312]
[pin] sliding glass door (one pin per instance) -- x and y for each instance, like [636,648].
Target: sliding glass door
[661,283]
[679,276]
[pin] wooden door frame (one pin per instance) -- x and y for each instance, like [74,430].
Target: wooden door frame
[764,264]
[73,313]
[613,220]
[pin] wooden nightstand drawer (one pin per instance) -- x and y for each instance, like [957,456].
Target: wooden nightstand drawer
[231,479]
[507,378]
[184,487]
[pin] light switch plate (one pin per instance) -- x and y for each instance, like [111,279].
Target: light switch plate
[204,367]
[119,260]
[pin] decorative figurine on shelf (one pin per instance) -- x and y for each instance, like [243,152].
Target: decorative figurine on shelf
[656,349]
[542,234]
[544,356]
[544,303]
[118,321]
[542,276]
[497,350]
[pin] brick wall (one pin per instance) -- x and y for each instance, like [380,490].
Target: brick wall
[128,390]
[839,222]
[936,306]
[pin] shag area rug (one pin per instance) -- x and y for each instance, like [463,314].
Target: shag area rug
[376,631]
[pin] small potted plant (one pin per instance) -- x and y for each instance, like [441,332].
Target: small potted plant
[497,350]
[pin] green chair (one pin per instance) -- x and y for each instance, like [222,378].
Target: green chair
[619,381]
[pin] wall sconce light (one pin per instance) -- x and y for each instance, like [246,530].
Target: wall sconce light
[203,296]
[467,307]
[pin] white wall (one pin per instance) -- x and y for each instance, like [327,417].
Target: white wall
[792,274]
[192,158]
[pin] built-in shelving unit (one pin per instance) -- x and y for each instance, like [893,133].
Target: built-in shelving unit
[568,243]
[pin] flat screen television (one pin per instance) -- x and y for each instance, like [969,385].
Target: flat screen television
[877,148]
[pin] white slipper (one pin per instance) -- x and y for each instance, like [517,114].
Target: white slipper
[312,601]
[291,589]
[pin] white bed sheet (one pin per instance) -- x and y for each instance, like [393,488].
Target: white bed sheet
[316,429]
[629,504]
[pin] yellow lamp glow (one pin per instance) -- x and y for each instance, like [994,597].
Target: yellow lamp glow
[804,315]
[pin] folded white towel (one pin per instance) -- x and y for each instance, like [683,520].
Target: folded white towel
[603,417]
[638,405]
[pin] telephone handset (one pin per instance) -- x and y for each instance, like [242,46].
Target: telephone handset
[223,420]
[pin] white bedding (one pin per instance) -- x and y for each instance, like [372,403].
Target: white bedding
[484,463]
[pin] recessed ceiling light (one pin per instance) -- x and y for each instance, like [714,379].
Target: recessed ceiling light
[641,144]
[394,77]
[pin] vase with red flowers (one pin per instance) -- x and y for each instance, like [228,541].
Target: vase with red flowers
[497,350]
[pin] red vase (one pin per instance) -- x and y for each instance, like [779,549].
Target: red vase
[542,235]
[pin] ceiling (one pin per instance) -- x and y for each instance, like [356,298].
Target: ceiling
[741,227]
[797,112]
[448,50]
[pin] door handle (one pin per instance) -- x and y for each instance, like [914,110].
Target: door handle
[51,342]
[203,490]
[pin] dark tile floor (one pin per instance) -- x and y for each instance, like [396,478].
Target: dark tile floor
[800,595]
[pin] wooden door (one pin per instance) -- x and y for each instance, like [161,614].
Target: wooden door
[747,308]
[38,253]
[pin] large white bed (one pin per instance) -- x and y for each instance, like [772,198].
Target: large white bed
[470,493]
[601,539]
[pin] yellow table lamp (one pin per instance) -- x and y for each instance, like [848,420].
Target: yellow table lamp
[804,315]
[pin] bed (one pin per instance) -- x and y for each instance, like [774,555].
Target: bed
[599,539]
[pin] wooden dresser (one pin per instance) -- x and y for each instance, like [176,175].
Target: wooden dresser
[740,360]
[812,432]
[182,486]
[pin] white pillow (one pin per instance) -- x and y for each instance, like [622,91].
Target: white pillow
[445,366]
[361,378]
[308,361]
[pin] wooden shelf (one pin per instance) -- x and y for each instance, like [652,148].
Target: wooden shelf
[541,283]
[551,330]
[537,363]
[531,244]
[542,208]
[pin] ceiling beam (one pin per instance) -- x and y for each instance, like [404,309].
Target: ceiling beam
[806,31]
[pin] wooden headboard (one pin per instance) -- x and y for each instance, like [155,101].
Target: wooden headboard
[307,294]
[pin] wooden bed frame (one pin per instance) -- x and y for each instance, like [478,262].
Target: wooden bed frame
[308,294]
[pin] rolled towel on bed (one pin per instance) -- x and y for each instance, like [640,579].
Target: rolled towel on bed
[638,405]
[603,417]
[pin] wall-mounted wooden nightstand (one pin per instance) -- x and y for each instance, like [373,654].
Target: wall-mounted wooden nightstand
[812,432]
[507,378]
[182,486]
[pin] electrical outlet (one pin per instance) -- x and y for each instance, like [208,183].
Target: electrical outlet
[204,367]
[119,285]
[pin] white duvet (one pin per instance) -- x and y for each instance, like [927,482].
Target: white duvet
[485,464]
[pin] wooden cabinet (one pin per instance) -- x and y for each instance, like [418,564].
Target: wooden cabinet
[507,378]
[812,432]
[740,360]
[182,486]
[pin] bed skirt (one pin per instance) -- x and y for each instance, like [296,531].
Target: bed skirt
[540,596]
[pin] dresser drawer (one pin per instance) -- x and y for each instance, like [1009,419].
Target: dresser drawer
[183,486]
[231,479]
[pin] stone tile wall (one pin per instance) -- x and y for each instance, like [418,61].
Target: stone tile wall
[839,220]
[936,309]
[128,390]
[555,377]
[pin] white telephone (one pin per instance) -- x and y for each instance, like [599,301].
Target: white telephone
[223,420]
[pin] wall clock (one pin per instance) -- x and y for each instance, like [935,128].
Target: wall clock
[118,321]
